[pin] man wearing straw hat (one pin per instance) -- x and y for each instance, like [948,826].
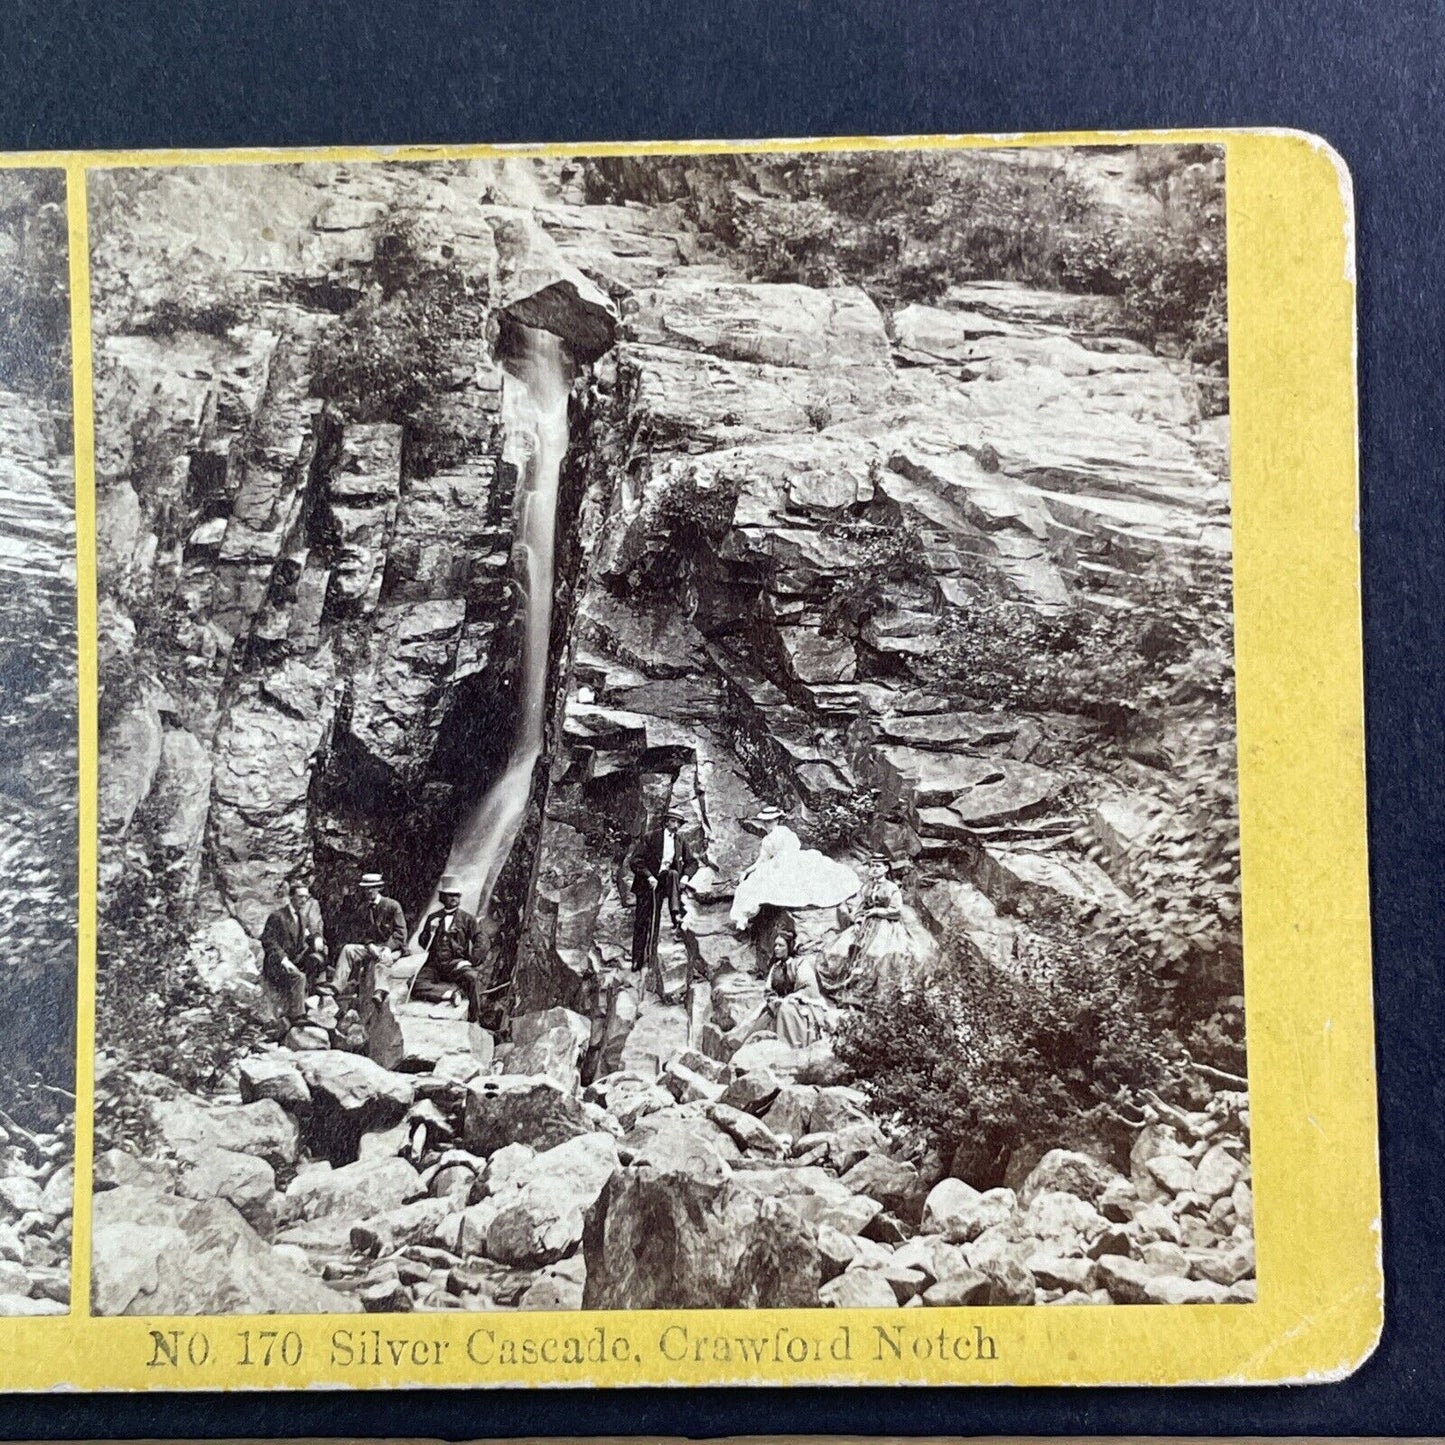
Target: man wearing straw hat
[378,932]
[454,944]
[661,861]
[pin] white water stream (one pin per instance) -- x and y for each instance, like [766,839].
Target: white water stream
[534,419]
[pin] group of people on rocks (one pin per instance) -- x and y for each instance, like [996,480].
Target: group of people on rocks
[807,987]
[341,994]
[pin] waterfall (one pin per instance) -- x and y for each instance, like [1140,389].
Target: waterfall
[534,418]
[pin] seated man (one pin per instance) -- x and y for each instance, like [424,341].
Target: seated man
[454,945]
[378,936]
[293,949]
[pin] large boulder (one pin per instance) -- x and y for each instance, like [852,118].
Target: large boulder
[1218,1172]
[520,1109]
[223,955]
[1067,1224]
[356,1190]
[350,1096]
[264,1128]
[550,1043]
[395,1228]
[1126,1279]
[155,1254]
[749,1134]
[670,1241]
[859,1289]
[242,1180]
[676,1141]
[895,1184]
[274,1076]
[813,1195]
[960,1213]
[537,288]
[1070,1172]
[542,1206]
[130,754]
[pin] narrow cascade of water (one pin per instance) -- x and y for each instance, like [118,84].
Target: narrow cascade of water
[534,416]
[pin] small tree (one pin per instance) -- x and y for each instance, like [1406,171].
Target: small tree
[981,1061]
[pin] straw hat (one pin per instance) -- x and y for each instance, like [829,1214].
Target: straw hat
[450,884]
[769,814]
[371,880]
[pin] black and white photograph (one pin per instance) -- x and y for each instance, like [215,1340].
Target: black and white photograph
[667,736]
[39,743]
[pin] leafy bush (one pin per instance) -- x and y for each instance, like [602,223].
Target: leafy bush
[214,316]
[984,1062]
[840,822]
[396,349]
[886,556]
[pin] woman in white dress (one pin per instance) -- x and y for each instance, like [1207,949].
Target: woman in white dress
[787,875]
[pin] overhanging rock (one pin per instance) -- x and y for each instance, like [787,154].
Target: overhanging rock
[573,308]
[536,287]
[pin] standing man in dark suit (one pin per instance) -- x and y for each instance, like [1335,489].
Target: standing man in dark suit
[455,948]
[293,949]
[378,936]
[660,861]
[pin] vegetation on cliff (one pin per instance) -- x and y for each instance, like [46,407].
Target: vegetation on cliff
[907,225]
[402,345]
[1123,997]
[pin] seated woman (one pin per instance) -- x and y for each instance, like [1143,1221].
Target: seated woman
[786,875]
[875,951]
[802,1015]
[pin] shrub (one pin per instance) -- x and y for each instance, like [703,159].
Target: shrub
[155,1013]
[396,349]
[213,316]
[841,822]
[979,1060]
[886,556]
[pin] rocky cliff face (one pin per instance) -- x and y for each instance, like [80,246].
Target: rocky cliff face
[308,615]
[329,630]
[39,794]
[38,853]
[789,494]
[782,511]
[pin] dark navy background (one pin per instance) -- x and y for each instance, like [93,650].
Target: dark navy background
[1366,76]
